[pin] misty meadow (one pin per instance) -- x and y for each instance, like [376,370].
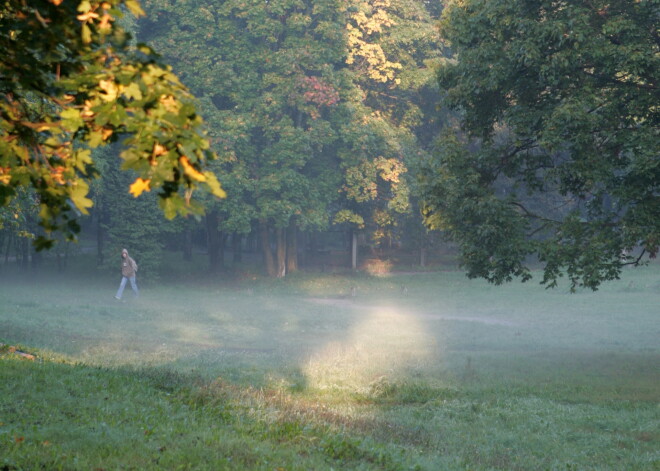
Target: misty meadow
[327,234]
[301,374]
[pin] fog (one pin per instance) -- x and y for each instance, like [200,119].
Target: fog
[351,332]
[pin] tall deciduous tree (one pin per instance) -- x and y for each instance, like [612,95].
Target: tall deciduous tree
[70,82]
[307,105]
[562,98]
[392,49]
[271,78]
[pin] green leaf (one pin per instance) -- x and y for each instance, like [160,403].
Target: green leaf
[214,185]
[169,207]
[133,91]
[347,216]
[78,195]
[134,7]
[83,158]
[86,34]
[71,119]
[95,138]
[84,6]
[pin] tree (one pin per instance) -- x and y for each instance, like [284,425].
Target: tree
[70,82]
[17,226]
[270,78]
[558,99]
[306,106]
[392,46]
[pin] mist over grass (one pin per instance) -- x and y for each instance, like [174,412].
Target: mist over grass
[459,373]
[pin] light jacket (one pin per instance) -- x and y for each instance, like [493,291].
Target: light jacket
[128,265]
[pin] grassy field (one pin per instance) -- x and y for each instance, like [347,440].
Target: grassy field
[420,372]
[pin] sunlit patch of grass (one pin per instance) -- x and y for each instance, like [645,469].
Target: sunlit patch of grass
[381,342]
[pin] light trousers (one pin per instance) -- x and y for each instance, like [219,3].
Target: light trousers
[120,291]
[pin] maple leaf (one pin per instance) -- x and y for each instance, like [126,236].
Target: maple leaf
[140,185]
[191,171]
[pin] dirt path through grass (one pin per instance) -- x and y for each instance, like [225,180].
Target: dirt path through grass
[350,304]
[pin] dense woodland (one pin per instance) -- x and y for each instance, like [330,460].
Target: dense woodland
[377,129]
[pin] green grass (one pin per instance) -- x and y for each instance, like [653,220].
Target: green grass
[298,374]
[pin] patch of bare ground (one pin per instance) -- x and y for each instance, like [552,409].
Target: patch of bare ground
[350,303]
[480,320]
[336,302]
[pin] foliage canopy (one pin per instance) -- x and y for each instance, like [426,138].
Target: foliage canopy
[312,105]
[71,82]
[559,102]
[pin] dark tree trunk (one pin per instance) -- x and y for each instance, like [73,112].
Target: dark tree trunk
[292,248]
[424,242]
[25,253]
[187,245]
[354,245]
[213,241]
[100,237]
[221,250]
[8,249]
[265,248]
[253,241]
[281,252]
[313,246]
[236,240]
[302,254]
[63,259]
[37,258]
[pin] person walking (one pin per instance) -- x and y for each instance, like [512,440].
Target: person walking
[128,270]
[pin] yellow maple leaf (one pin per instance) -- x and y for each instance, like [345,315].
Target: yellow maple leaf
[140,185]
[170,103]
[110,89]
[87,16]
[5,175]
[191,171]
[106,133]
[159,149]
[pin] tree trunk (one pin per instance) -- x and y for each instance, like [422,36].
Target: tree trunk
[63,259]
[281,252]
[36,259]
[213,237]
[222,239]
[302,254]
[187,245]
[313,246]
[25,253]
[60,263]
[354,244]
[8,249]
[100,233]
[236,240]
[292,248]
[424,243]
[265,248]
[253,241]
